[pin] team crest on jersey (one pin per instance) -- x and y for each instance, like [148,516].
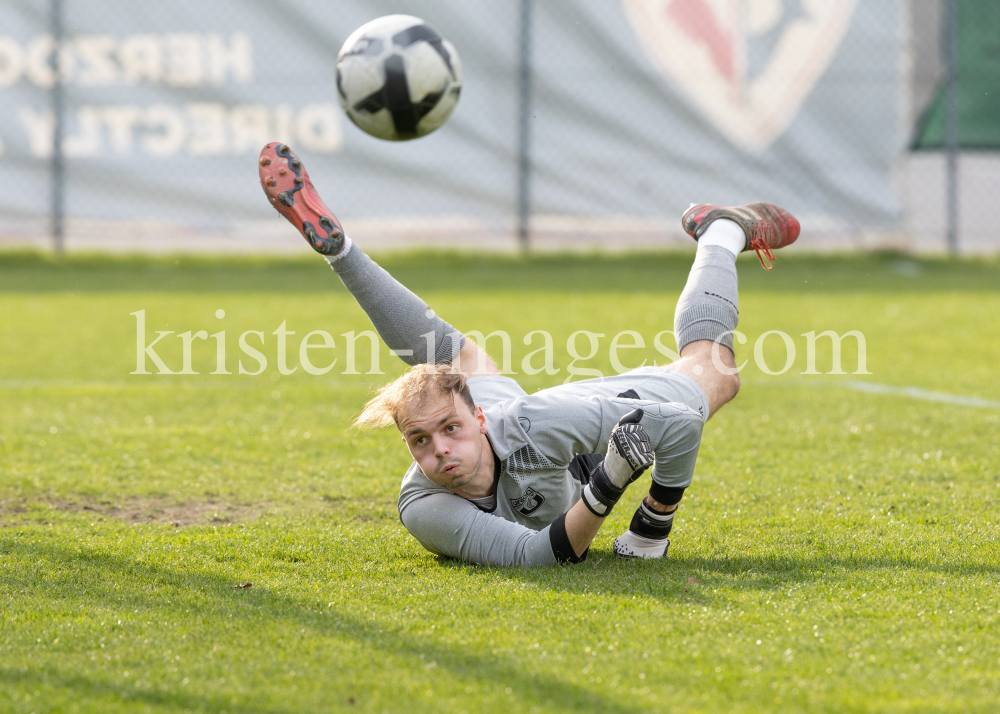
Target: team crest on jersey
[747,65]
[528,503]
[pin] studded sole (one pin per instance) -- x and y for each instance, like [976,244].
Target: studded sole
[287,186]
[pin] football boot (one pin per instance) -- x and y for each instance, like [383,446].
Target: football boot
[767,226]
[287,186]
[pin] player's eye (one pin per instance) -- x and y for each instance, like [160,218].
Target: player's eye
[451,428]
[420,441]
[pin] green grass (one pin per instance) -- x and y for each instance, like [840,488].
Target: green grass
[838,551]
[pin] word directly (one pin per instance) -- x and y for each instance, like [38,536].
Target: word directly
[194,129]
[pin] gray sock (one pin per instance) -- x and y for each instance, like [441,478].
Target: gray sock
[708,309]
[404,322]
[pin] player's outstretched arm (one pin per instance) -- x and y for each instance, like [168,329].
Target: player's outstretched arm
[449,525]
[581,527]
[629,455]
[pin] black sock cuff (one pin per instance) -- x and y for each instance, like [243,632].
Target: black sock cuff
[667,495]
[562,549]
[653,528]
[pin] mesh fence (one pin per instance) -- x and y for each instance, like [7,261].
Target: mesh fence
[584,123]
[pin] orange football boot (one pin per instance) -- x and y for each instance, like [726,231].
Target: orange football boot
[290,191]
[767,226]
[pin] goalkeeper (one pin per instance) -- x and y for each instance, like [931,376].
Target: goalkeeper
[501,477]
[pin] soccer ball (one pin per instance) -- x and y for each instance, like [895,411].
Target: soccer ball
[397,78]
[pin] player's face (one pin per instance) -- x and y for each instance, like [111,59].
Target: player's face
[444,437]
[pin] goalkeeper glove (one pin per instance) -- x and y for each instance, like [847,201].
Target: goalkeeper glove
[629,455]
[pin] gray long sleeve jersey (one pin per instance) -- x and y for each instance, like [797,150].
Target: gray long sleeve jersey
[535,438]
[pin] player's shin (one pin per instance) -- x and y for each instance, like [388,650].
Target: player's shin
[404,322]
[412,331]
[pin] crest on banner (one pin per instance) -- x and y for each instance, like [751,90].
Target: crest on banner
[746,65]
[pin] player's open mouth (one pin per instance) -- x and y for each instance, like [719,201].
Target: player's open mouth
[450,470]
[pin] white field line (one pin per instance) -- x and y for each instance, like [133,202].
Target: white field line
[918,393]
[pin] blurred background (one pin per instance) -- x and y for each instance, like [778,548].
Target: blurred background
[135,125]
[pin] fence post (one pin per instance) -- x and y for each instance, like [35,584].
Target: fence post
[58,164]
[524,129]
[952,126]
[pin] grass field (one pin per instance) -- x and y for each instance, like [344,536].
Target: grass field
[837,552]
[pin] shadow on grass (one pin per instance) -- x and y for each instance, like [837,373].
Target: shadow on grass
[693,579]
[79,689]
[213,597]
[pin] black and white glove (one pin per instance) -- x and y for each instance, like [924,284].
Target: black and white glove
[629,455]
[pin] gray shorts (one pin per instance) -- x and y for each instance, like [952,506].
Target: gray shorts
[654,384]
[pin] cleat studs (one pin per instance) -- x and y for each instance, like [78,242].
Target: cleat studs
[326,222]
[286,198]
[271,182]
[282,149]
[296,163]
[264,161]
[298,180]
[282,172]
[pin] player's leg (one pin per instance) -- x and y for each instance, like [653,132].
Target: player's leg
[704,321]
[708,310]
[707,314]
[404,322]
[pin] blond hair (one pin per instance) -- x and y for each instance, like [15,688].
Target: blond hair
[394,398]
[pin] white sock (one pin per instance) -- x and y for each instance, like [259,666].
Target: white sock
[331,259]
[725,233]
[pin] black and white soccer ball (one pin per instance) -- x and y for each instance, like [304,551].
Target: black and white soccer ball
[398,78]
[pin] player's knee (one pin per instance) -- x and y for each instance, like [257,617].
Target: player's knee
[727,386]
[725,382]
[732,385]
